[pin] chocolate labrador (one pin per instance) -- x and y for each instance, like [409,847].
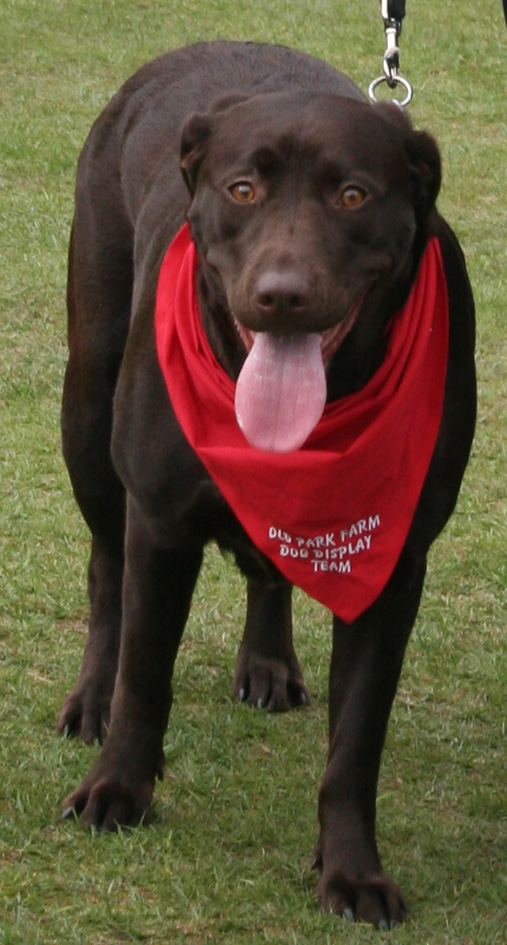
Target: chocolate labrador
[271,336]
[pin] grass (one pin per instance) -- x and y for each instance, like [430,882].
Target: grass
[227,856]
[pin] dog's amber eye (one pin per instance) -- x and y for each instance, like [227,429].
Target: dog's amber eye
[242,192]
[352,197]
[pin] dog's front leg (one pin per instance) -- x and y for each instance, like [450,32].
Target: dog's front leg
[158,587]
[365,668]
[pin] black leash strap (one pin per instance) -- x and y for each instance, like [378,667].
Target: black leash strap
[396,9]
[392,12]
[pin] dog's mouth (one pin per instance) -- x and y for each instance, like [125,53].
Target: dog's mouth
[281,390]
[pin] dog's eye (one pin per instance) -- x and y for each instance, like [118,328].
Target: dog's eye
[242,192]
[352,197]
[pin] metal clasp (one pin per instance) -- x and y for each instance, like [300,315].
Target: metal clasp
[391,60]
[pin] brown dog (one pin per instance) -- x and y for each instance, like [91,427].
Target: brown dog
[314,226]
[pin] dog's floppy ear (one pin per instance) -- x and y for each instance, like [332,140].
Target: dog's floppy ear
[424,161]
[194,135]
[423,158]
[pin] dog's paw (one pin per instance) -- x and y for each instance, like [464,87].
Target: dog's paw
[106,802]
[374,899]
[85,713]
[269,683]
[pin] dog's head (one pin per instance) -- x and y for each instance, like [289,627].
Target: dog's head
[309,211]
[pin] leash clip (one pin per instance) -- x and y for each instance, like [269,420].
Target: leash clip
[391,60]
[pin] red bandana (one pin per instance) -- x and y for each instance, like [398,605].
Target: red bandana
[334,515]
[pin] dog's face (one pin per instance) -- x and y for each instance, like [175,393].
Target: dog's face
[302,203]
[305,210]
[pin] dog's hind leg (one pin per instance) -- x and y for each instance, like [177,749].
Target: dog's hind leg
[99,294]
[268,673]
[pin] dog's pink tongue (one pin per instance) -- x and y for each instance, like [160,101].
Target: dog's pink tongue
[281,391]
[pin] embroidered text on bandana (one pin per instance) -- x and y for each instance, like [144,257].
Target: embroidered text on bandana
[334,515]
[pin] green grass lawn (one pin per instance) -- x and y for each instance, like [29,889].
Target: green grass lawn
[227,856]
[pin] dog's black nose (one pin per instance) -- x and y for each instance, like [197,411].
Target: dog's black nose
[282,294]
